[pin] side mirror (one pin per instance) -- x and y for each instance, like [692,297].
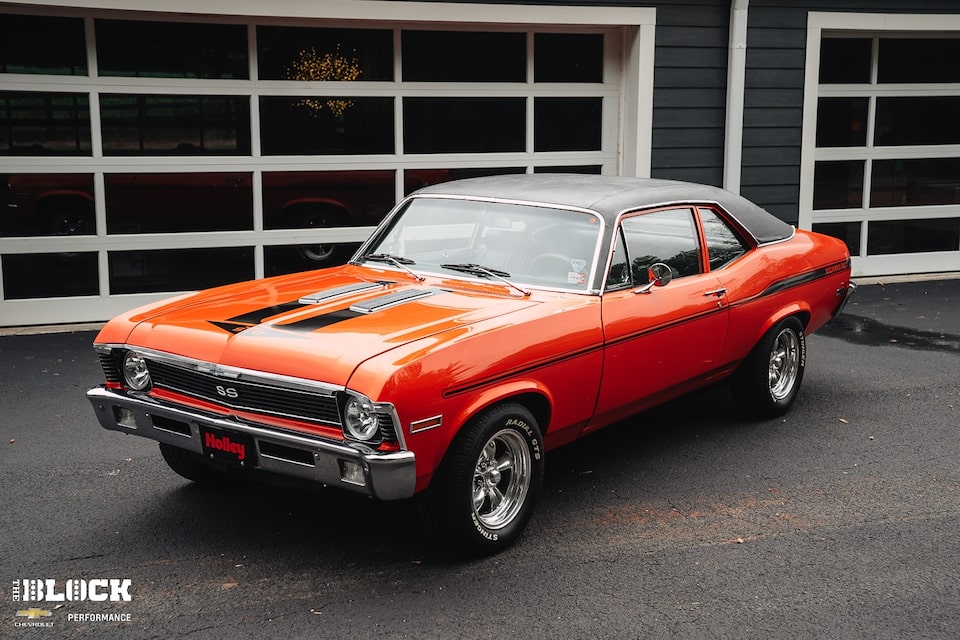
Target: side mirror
[658,275]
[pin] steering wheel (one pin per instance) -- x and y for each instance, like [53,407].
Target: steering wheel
[550,264]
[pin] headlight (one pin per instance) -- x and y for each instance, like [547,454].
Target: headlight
[360,419]
[135,371]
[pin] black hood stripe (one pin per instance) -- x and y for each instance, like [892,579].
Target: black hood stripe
[258,316]
[319,322]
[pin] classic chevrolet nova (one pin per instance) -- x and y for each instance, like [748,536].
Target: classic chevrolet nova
[484,323]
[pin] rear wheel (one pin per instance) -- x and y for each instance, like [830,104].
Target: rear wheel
[485,490]
[768,381]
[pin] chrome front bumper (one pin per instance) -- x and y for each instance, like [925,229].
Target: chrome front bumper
[385,475]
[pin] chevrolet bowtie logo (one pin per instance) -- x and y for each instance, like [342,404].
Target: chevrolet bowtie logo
[34,613]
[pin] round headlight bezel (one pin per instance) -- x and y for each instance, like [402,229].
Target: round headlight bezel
[360,421]
[136,374]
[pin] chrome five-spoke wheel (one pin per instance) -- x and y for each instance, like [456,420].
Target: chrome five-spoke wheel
[784,363]
[501,479]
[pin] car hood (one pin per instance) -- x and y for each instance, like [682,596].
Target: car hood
[319,327]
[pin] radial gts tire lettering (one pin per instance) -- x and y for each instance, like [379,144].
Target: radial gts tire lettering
[484,491]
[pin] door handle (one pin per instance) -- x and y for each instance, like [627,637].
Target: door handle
[716,292]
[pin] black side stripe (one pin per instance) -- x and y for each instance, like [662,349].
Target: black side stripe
[799,280]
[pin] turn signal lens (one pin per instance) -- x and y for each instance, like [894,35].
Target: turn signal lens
[135,371]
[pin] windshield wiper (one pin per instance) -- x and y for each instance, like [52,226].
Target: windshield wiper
[480,270]
[397,261]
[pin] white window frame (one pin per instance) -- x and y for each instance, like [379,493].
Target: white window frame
[626,135]
[869,25]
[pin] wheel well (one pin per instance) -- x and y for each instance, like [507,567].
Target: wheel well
[301,208]
[538,405]
[46,206]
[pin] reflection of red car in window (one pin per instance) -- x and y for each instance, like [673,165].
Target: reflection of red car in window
[48,204]
[63,204]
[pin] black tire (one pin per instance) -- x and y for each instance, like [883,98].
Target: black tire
[477,508]
[320,217]
[768,381]
[191,466]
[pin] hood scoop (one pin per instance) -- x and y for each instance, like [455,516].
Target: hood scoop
[392,300]
[337,292]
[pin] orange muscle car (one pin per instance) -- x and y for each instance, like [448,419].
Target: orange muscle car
[485,322]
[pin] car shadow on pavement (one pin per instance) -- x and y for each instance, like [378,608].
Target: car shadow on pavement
[317,527]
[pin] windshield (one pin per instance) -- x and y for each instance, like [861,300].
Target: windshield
[538,246]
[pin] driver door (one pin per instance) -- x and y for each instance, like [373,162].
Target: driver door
[655,342]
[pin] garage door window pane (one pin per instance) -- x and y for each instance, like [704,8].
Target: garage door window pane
[44,124]
[838,185]
[319,199]
[464,125]
[898,183]
[913,236]
[178,202]
[849,232]
[414,179]
[178,269]
[464,56]
[280,260]
[327,55]
[842,122]
[61,51]
[321,125]
[568,124]
[48,204]
[50,275]
[909,60]
[568,57]
[171,49]
[175,125]
[845,60]
[918,120]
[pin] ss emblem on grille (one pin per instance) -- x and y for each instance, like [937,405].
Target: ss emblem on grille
[227,392]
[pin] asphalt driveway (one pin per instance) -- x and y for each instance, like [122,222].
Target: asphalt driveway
[838,521]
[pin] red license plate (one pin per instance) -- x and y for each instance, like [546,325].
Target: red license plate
[229,446]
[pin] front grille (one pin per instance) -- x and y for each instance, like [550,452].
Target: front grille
[111,368]
[246,395]
[387,429]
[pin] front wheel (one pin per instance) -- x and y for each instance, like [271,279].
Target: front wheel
[485,490]
[768,381]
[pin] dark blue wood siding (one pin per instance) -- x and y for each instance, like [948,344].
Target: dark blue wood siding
[690,90]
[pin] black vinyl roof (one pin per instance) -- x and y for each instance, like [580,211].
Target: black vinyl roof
[610,196]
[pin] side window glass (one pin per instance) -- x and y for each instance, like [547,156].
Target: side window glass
[662,236]
[723,245]
[619,276]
